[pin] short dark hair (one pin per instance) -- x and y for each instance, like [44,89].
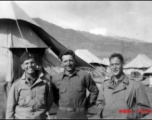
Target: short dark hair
[118,55]
[66,52]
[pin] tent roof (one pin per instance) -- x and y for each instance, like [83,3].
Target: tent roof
[106,61]
[10,36]
[15,30]
[10,10]
[88,56]
[149,70]
[141,61]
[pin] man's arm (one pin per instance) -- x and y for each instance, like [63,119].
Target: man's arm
[142,101]
[55,93]
[92,88]
[12,102]
[100,100]
[50,96]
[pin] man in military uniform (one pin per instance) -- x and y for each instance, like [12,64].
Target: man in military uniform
[120,96]
[30,97]
[70,89]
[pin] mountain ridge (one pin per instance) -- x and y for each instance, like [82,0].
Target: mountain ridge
[101,46]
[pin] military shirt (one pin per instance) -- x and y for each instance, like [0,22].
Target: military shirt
[30,101]
[70,91]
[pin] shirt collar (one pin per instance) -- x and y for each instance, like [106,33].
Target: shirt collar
[123,78]
[40,74]
[120,79]
[74,73]
[126,80]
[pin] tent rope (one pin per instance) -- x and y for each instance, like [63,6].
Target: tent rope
[20,33]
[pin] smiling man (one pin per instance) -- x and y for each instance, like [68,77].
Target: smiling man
[70,89]
[30,96]
[120,96]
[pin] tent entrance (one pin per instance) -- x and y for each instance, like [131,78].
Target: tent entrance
[17,52]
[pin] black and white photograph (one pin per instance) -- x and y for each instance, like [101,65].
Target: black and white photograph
[76,60]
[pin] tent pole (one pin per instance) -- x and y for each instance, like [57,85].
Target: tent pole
[20,33]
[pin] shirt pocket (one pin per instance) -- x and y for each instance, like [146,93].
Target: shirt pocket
[63,95]
[79,89]
[25,92]
[24,100]
[62,90]
[25,97]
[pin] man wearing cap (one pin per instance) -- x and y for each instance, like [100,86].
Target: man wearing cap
[69,88]
[30,96]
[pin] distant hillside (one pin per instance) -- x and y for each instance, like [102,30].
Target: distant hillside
[100,45]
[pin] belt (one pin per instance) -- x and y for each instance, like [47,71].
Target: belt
[69,109]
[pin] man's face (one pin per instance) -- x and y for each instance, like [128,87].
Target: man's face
[68,63]
[29,66]
[116,66]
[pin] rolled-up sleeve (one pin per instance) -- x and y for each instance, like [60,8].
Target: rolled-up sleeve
[12,102]
[92,88]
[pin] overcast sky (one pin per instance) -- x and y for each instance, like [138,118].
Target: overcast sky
[131,19]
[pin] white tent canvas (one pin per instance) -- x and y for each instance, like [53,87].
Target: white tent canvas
[87,56]
[16,32]
[141,61]
[106,61]
[51,63]
[149,70]
[10,10]
[22,36]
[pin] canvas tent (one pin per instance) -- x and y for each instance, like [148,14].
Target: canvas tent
[106,61]
[16,34]
[148,71]
[87,56]
[137,66]
[100,70]
[141,61]
[19,33]
[148,75]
